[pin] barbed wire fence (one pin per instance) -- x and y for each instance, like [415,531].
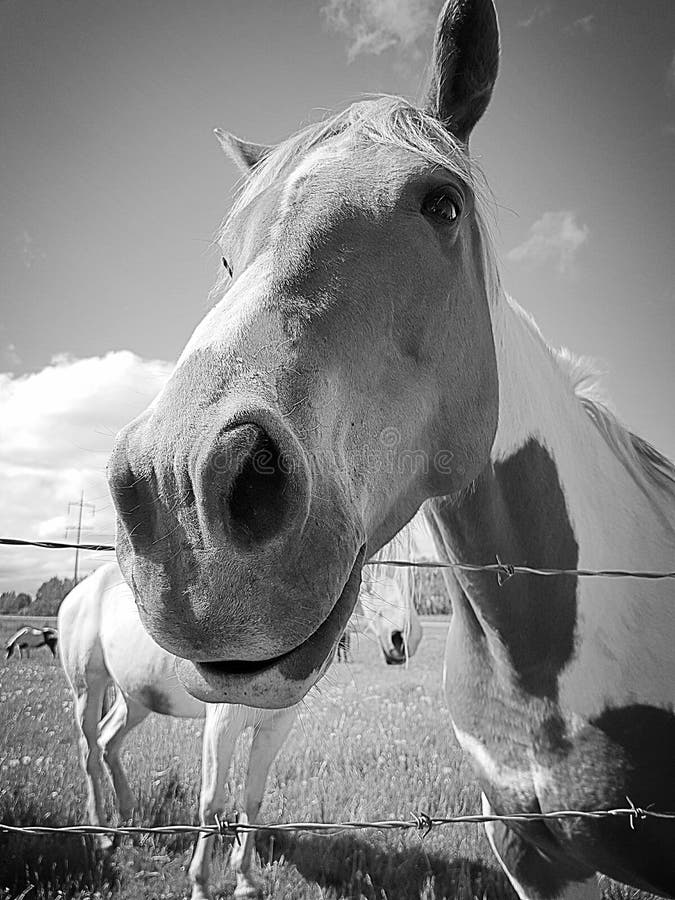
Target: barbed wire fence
[419,821]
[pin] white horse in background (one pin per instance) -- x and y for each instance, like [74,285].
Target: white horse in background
[103,642]
[385,609]
[30,638]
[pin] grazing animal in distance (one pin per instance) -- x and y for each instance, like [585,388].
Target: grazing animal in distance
[364,346]
[103,643]
[30,638]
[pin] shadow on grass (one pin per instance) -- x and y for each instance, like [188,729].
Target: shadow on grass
[71,862]
[353,867]
[74,863]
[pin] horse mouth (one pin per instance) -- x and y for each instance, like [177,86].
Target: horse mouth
[394,660]
[282,680]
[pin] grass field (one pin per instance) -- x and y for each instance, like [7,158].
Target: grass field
[373,743]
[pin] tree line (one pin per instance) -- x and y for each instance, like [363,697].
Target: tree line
[46,602]
[431,599]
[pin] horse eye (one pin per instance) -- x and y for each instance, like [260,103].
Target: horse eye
[228,267]
[444,205]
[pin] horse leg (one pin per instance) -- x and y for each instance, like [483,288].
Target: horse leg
[222,727]
[534,875]
[124,715]
[268,738]
[88,705]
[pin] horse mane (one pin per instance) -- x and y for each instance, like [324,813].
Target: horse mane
[380,119]
[649,468]
[403,546]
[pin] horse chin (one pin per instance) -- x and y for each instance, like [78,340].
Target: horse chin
[283,680]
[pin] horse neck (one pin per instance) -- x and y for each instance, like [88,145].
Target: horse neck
[540,415]
[554,494]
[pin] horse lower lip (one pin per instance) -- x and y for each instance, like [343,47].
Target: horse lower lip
[276,681]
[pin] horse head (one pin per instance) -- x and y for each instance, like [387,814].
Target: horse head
[345,374]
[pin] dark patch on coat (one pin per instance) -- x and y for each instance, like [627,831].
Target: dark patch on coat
[516,511]
[545,874]
[624,755]
[154,700]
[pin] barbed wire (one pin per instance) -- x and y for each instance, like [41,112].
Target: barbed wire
[55,545]
[506,570]
[502,570]
[420,822]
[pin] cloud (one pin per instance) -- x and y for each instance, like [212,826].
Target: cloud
[373,26]
[584,25]
[57,429]
[555,237]
[540,11]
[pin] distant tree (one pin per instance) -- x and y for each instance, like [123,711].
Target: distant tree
[23,601]
[49,597]
[12,603]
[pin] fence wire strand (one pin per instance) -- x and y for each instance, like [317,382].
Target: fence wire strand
[502,570]
[420,822]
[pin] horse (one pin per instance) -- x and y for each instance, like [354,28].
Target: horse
[361,362]
[30,638]
[103,642]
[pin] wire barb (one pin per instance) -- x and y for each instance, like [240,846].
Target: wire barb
[227,828]
[422,822]
[635,814]
[504,572]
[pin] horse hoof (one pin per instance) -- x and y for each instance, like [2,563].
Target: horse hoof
[106,844]
[200,893]
[248,891]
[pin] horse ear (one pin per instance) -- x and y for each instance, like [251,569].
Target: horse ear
[244,154]
[464,65]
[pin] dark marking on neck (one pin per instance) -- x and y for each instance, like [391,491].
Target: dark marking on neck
[516,510]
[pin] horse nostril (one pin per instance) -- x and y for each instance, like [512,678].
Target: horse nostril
[125,488]
[256,501]
[398,642]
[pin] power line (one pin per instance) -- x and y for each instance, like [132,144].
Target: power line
[78,528]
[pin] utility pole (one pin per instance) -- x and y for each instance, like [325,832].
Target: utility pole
[78,528]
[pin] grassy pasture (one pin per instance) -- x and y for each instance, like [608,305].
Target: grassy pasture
[374,742]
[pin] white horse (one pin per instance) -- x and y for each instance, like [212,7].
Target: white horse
[103,642]
[30,638]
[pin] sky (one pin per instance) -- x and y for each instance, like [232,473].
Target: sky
[112,186]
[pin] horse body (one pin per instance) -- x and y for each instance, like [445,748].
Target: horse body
[104,643]
[561,690]
[362,344]
[29,638]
